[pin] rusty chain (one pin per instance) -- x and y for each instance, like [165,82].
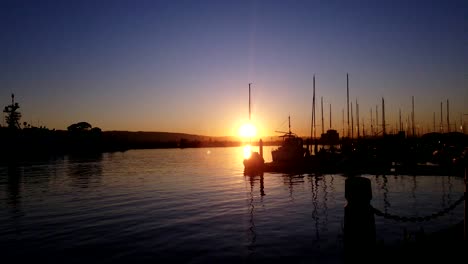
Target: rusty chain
[418,219]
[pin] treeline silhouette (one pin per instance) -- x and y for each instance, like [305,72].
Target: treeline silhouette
[81,138]
[23,140]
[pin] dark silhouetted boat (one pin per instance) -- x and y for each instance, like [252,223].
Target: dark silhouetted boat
[290,155]
[291,150]
[254,164]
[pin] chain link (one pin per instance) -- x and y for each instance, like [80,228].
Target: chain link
[418,219]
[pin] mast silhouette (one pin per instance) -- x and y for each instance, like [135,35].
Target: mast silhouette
[312,124]
[347,98]
[352,122]
[250,138]
[383,117]
[376,119]
[441,122]
[400,124]
[315,138]
[323,124]
[357,118]
[363,128]
[342,122]
[412,116]
[314,106]
[249,103]
[448,117]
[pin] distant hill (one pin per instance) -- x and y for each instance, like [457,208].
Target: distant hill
[153,136]
[157,136]
[142,139]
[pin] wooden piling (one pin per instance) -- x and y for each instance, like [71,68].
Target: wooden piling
[359,221]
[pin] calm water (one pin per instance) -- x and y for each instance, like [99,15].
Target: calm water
[195,206]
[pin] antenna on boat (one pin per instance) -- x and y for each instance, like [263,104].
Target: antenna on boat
[289,121]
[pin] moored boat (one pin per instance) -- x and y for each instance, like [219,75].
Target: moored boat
[290,155]
[253,161]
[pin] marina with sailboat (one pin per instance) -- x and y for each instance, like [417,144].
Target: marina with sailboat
[378,153]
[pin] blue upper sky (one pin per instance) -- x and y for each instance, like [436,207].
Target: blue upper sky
[184,66]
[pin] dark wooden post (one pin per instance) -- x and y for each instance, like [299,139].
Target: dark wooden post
[359,221]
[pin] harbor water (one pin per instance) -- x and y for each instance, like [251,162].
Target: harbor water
[196,206]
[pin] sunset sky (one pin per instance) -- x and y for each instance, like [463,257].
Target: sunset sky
[185,66]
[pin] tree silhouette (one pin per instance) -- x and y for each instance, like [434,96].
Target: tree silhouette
[12,115]
[80,126]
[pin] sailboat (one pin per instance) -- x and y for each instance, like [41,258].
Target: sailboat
[255,162]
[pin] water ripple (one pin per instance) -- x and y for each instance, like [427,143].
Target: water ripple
[194,205]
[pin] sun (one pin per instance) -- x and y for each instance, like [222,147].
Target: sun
[247,130]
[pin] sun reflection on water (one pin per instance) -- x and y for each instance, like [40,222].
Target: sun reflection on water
[247,151]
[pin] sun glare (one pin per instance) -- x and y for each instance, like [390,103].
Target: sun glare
[247,151]
[247,130]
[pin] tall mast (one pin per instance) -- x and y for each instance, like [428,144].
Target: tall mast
[441,122]
[400,124]
[352,122]
[363,128]
[357,118]
[342,121]
[323,125]
[377,119]
[312,122]
[330,118]
[383,117]
[313,105]
[448,117]
[412,115]
[371,123]
[249,102]
[347,97]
